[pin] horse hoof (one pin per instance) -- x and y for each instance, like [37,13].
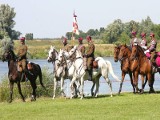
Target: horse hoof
[92,94]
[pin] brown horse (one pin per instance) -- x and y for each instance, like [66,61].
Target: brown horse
[144,66]
[122,53]
[16,77]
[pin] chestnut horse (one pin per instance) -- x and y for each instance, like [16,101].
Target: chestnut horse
[16,77]
[122,53]
[144,65]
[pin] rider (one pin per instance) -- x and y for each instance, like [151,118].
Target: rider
[22,56]
[90,56]
[152,48]
[134,40]
[65,43]
[153,44]
[143,43]
[81,47]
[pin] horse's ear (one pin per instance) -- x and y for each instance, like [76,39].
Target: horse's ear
[60,50]
[51,47]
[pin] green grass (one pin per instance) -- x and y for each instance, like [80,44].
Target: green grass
[127,106]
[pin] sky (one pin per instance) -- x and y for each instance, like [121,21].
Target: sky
[53,18]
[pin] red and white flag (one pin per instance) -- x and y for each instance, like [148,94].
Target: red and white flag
[75,24]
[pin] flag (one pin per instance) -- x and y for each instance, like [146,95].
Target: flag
[75,24]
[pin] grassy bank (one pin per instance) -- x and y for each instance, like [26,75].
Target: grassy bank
[38,49]
[127,106]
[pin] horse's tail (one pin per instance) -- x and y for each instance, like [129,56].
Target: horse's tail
[40,77]
[110,68]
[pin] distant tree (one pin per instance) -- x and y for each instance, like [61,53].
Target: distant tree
[7,23]
[69,35]
[101,30]
[124,38]
[29,36]
[15,34]
[91,32]
[113,31]
[129,26]
[157,31]
[146,25]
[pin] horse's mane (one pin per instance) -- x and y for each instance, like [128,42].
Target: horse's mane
[14,57]
[141,50]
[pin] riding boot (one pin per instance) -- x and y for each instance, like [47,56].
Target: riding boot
[90,75]
[22,77]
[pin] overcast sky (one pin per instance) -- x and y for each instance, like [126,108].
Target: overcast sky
[53,18]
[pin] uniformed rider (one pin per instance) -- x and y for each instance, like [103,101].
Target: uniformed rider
[143,43]
[90,56]
[153,44]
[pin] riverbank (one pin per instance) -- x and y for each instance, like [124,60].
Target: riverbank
[38,49]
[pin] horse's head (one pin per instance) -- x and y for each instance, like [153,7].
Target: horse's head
[52,54]
[61,58]
[123,52]
[72,51]
[8,55]
[134,53]
[116,53]
[137,52]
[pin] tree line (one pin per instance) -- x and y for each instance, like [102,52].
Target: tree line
[112,33]
[121,32]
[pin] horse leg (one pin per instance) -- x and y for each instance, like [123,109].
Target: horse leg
[62,90]
[143,84]
[71,87]
[92,93]
[34,87]
[97,87]
[20,91]
[54,89]
[131,78]
[135,74]
[82,87]
[151,82]
[11,90]
[110,85]
[76,89]
[120,88]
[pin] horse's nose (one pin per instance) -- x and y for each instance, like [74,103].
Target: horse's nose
[48,59]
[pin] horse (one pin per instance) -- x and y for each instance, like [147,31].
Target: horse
[155,59]
[16,77]
[80,73]
[144,65]
[60,74]
[122,53]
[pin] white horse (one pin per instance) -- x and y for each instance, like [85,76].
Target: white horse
[104,67]
[59,70]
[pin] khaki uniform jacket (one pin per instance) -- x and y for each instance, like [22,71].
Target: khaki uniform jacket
[90,55]
[22,56]
[82,48]
[22,52]
[90,50]
[67,48]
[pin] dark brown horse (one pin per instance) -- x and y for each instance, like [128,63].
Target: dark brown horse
[140,61]
[16,77]
[122,53]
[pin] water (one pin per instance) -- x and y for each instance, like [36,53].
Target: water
[104,88]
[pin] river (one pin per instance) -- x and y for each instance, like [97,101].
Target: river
[104,88]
